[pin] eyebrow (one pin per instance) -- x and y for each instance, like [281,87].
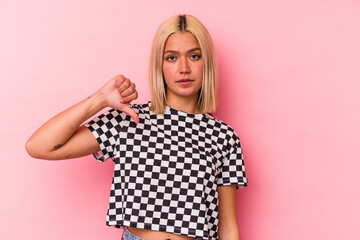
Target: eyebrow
[191,50]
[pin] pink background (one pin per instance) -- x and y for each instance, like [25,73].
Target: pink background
[289,86]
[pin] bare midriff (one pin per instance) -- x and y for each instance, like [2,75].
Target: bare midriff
[148,234]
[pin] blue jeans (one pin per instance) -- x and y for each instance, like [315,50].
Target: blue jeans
[127,235]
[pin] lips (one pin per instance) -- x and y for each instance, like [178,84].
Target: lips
[185,81]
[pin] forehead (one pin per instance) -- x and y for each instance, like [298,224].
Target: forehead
[181,41]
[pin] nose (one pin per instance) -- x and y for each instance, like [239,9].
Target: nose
[184,67]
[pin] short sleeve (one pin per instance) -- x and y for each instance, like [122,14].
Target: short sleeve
[232,168]
[106,128]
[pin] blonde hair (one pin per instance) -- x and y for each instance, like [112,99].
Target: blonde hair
[208,97]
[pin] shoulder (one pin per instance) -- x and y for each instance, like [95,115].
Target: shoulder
[221,125]
[226,133]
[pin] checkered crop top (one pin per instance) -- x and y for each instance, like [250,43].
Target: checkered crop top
[167,169]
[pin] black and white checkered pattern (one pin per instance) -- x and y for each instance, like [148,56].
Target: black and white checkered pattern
[167,169]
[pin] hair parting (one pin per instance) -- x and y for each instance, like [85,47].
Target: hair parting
[182,22]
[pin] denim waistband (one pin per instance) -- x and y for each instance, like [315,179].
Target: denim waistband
[127,235]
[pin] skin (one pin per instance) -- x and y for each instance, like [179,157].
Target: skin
[182,60]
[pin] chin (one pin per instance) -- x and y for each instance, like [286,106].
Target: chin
[187,95]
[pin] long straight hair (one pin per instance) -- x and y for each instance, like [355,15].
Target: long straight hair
[208,97]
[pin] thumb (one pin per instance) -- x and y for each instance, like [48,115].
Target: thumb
[128,110]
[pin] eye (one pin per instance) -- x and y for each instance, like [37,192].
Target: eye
[195,56]
[171,58]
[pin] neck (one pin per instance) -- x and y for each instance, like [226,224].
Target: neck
[186,104]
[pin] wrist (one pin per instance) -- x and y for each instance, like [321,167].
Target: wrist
[97,102]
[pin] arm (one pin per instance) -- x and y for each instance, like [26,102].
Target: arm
[62,137]
[228,226]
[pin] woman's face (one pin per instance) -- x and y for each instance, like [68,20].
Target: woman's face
[182,66]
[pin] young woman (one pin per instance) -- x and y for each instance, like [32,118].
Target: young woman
[176,166]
